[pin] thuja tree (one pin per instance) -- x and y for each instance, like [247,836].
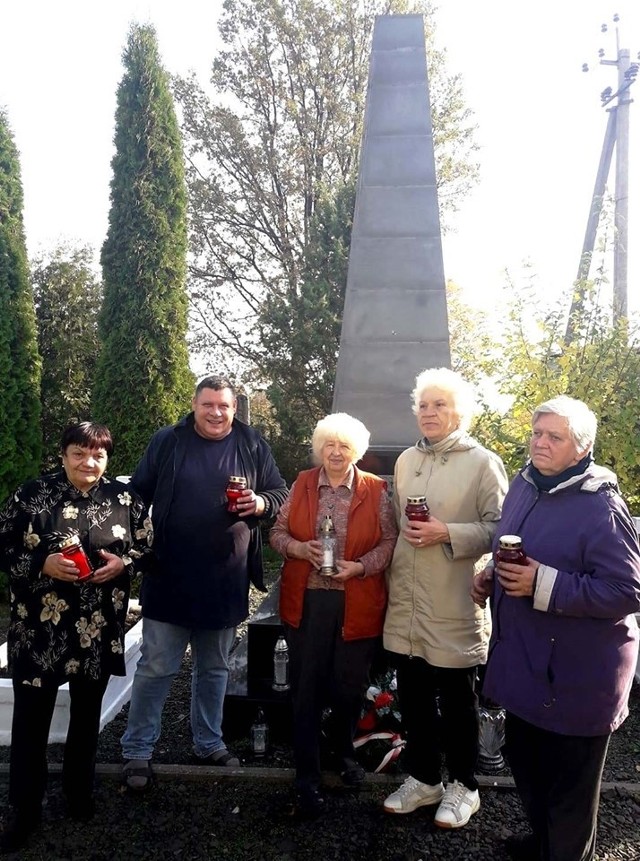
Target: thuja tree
[20,438]
[67,296]
[143,379]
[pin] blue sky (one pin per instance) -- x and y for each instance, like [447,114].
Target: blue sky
[539,117]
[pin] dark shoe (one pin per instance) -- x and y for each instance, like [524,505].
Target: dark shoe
[17,830]
[522,847]
[218,758]
[137,775]
[352,773]
[81,809]
[309,803]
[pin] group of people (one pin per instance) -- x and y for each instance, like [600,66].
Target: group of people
[557,633]
[197,560]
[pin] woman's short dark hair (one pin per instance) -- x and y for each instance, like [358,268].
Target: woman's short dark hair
[87,435]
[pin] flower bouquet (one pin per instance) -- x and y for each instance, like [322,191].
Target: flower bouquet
[380,723]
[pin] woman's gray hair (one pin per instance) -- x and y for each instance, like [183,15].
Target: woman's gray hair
[582,422]
[343,427]
[462,393]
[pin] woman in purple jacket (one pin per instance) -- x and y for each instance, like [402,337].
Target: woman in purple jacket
[565,640]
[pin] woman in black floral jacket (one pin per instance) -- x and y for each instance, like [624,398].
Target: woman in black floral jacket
[64,629]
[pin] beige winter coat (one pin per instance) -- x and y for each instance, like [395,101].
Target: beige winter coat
[430,612]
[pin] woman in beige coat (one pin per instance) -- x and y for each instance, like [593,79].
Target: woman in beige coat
[435,633]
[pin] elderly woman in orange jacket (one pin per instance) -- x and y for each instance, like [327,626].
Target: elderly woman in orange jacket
[332,620]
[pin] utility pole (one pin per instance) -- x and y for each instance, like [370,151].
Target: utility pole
[616,137]
[621,222]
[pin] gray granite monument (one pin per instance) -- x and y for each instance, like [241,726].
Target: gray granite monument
[395,315]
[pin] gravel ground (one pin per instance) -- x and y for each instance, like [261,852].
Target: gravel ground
[247,818]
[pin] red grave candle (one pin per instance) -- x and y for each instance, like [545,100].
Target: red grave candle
[71,548]
[417,508]
[235,488]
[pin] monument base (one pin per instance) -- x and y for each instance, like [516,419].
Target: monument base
[381,460]
[251,676]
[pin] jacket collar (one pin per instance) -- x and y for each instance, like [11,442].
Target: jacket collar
[356,484]
[323,478]
[75,492]
[458,440]
[589,481]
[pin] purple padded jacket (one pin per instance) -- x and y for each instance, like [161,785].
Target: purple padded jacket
[564,659]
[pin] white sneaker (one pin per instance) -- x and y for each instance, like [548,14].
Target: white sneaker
[411,795]
[458,805]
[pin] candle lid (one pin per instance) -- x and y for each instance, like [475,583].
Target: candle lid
[510,542]
[327,524]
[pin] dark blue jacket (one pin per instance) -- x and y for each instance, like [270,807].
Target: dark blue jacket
[154,479]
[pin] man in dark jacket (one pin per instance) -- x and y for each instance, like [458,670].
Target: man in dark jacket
[206,558]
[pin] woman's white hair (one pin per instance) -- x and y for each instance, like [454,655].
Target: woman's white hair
[461,392]
[582,422]
[343,427]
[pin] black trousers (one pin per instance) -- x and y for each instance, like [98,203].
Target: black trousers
[32,713]
[558,778]
[439,716]
[325,671]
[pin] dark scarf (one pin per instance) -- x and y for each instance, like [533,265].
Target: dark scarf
[545,483]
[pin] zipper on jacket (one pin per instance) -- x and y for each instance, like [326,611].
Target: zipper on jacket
[431,460]
[549,704]
[502,592]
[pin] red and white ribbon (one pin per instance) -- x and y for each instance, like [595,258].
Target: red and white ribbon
[394,738]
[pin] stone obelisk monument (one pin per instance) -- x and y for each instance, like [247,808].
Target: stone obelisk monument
[395,314]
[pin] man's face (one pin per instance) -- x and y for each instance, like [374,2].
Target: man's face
[213,412]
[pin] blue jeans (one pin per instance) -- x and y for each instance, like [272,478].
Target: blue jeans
[163,647]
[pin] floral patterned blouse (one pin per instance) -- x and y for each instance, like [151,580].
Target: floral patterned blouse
[60,629]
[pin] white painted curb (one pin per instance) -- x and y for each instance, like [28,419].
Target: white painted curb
[117,695]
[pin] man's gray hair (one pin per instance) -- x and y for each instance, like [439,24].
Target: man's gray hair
[583,424]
